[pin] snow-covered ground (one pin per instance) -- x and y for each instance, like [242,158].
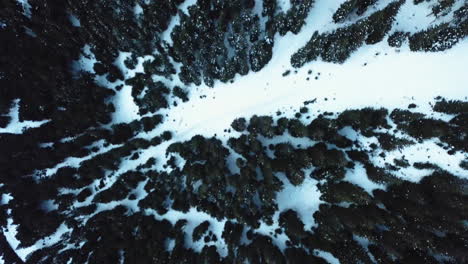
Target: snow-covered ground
[374,76]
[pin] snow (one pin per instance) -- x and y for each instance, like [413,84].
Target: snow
[138,10]
[185,5]
[284,5]
[349,133]
[269,230]
[26,8]
[304,199]
[48,206]
[46,145]
[327,256]
[427,151]
[364,242]
[170,244]
[358,176]
[10,233]
[126,109]
[257,10]
[130,73]
[75,21]
[166,35]
[413,18]
[86,61]
[6,198]
[298,142]
[16,126]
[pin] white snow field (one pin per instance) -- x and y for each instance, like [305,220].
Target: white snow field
[375,76]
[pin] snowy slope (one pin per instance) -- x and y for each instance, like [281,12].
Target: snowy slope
[376,76]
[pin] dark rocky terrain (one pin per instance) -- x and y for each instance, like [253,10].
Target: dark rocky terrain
[112,214]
